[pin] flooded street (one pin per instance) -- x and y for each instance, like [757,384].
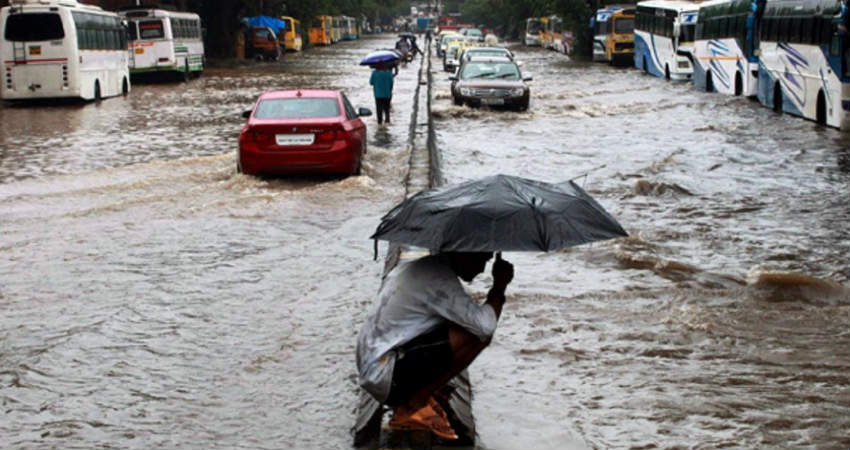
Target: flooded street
[721,322]
[154,298]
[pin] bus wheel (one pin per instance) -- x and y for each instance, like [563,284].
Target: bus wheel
[821,113]
[97,96]
[667,72]
[739,84]
[709,83]
[777,98]
[125,87]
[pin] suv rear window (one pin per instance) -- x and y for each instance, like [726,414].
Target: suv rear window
[34,27]
[297,108]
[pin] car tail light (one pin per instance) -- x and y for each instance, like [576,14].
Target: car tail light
[253,139]
[330,135]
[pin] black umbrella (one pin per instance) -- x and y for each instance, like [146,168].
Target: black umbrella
[499,213]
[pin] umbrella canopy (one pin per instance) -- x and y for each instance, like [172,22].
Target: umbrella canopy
[378,57]
[499,213]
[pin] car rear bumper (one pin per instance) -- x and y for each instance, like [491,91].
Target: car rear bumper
[340,158]
[487,101]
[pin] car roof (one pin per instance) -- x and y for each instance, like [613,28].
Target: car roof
[296,93]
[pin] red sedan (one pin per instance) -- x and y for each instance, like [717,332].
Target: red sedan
[305,131]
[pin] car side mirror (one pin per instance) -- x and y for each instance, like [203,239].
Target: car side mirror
[247,113]
[364,112]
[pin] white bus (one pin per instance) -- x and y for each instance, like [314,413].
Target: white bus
[804,60]
[664,38]
[165,41]
[725,56]
[61,48]
[533,26]
[601,28]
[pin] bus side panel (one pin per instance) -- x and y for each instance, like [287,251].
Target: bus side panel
[645,54]
[599,48]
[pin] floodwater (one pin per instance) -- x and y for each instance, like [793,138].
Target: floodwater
[152,297]
[723,321]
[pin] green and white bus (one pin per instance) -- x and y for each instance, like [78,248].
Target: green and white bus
[165,41]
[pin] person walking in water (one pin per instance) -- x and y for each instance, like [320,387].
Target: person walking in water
[382,85]
[424,330]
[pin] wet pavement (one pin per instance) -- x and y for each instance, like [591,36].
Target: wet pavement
[153,297]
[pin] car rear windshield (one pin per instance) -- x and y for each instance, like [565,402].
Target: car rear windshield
[502,71]
[297,108]
[34,27]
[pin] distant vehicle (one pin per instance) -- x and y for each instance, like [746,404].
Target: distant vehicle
[532,32]
[320,30]
[445,37]
[62,49]
[664,38]
[619,42]
[804,60]
[491,82]
[303,131]
[336,29]
[487,52]
[348,28]
[725,60]
[601,29]
[164,41]
[474,33]
[451,57]
[543,34]
[292,37]
[558,39]
[263,44]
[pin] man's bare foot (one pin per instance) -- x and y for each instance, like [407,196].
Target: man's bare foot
[423,419]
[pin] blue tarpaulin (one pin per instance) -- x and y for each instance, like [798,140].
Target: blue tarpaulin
[265,21]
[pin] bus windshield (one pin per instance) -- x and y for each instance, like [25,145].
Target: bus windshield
[34,27]
[688,33]
[533,26]
[151,29]
[624,26]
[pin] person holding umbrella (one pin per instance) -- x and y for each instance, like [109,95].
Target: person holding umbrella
[425,330]
[382,86]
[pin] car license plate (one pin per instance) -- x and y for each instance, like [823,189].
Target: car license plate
[492,101]
[294,139]
[139,50]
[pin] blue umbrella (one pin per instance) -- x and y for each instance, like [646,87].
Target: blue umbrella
[378,57]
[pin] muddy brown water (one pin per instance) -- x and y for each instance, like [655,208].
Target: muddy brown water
[152,297]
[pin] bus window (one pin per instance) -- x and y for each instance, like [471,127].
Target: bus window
[34,27]
[132,32]
[151,29]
